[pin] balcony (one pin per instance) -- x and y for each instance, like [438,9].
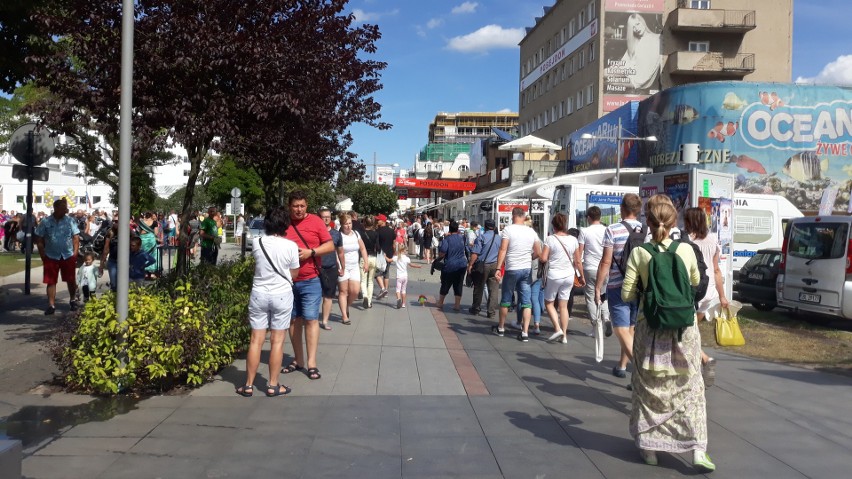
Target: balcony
[707,20]
[711,64]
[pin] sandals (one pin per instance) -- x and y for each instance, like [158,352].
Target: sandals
[314,374]
[325,326]
[345,323]
[277,390]
[291,368]
[245,391]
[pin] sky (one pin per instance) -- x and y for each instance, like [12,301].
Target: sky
[460,55]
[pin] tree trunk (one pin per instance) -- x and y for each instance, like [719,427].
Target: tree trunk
[196,157]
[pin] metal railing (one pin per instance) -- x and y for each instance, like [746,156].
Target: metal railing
[738,62]
[731,18]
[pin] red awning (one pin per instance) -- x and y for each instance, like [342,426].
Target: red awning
[413,183]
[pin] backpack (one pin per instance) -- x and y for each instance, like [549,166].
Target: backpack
[668,299]
[635,239]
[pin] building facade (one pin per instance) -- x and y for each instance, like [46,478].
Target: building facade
[585,58]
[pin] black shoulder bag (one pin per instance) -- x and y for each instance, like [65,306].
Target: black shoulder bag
[260,242]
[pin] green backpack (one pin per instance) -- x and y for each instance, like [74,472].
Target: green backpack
[668,298]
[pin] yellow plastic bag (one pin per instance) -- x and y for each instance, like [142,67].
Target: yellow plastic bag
[728,329]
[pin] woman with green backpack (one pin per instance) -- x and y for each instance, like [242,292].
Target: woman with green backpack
[669,411]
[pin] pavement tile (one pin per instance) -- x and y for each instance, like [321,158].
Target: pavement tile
[359,373]
[67,467]
[361,455]
[398,372]
[468,456]
[438,374]
[130,466]
[87,446]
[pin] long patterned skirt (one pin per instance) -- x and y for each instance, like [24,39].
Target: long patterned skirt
[669,408]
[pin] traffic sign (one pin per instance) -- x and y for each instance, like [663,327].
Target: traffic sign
[31,144]
[235,193]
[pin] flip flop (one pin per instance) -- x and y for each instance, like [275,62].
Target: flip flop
[245,391]
[325,326]
[277,390]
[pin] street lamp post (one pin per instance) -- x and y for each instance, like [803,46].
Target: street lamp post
[619,140]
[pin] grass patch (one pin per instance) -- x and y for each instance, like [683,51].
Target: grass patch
[780,336]
[11,263]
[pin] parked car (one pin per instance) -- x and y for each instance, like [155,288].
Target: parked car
[756,284]
[816,268]
[255,230]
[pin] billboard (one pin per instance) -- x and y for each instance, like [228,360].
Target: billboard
[384,175]
[779,138]
[598,154]
[632,50]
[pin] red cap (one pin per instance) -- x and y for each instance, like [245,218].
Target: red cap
[381,217]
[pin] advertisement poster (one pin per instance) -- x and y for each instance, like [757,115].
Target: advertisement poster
[726,226]
[632,50]
[785,139]
[677,188]
[600,153]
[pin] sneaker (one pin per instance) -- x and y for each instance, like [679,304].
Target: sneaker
[523,338]
[555,336]
[50,310]
[709,373]
[607,328]
[701,462]
[382,294]
[650,457]
[399,304]
[366,303]
[498,331]
[74,305]
[618,372]
[536,331]
[403,306]
[564,339]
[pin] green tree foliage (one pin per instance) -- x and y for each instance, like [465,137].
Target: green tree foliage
[278,82]
[20,38]
[372,199]
[225,175]
[319,193]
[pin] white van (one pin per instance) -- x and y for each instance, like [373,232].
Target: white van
[759,222]
[816,266]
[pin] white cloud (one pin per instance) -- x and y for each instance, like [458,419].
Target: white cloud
[487,38]
[466,7]
[838,72]
[362,17]
[434,23]
[506,110]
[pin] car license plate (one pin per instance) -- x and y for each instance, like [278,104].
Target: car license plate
[810,298]
[755,276]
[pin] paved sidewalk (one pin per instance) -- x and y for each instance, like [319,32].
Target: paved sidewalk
[420,393]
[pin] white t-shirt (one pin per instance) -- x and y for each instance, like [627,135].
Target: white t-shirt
[173,219]
[401,263]
[351,249]
[591,237]
[284,253]
[521,238]
[561,265]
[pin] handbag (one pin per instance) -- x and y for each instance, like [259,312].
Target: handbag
[728,329]
[381,261]
[479,266]
[268,259]
[323,280]
[438,264]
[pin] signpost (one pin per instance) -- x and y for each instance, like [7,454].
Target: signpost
[236,206]
[32,145]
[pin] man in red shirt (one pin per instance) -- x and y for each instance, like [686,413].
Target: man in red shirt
[311,235]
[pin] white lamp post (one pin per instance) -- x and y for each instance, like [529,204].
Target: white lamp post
[619,139]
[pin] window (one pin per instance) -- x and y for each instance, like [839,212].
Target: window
[19,200]
[699,46]
[546,117]
[592,11]
[553,113]
[38,199]
[563,35]
[185,172]
[582,59]
[571,28]
[96,199]
[569,105]
[571,66]
[582,18]
[591,52]
[580,99]
[590,94]
[561,108]
[700,4]
[818,240]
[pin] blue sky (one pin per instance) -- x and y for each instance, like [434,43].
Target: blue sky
[462,55]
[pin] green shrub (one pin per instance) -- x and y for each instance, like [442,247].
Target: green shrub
[180,330]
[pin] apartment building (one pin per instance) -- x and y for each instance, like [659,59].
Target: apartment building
[583,59]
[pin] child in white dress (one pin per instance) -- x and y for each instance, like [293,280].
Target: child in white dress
[402,262]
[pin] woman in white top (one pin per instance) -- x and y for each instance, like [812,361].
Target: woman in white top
[349,281]
[562,252]
[271,302]
[238,229]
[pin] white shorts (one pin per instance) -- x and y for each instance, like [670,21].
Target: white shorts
[558,288]
[351,273]
[270,311]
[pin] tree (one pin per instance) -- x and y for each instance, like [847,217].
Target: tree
[319,193]
[225,175]
[19,38]
[208,69]
[372,199]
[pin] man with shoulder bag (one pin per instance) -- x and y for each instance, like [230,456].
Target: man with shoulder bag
[482,268]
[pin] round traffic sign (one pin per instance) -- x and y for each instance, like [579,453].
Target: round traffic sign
[235,193]
[32,144]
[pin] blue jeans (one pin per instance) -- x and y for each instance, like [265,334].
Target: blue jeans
[623,315]
[307,296]
[537,296]
[112,269]
[517,280]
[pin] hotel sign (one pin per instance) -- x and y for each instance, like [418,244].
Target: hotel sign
[564,52]
[435,184]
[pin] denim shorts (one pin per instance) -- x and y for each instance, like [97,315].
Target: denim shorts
[307,298]
[623,315]
[516,280]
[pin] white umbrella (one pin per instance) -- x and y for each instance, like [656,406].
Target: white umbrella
[530,144]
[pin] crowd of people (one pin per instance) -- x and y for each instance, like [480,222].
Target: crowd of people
[313,260]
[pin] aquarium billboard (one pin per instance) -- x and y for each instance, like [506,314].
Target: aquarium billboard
[779,138]
[600,152]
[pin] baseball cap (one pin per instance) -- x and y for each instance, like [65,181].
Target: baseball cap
[381,217]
